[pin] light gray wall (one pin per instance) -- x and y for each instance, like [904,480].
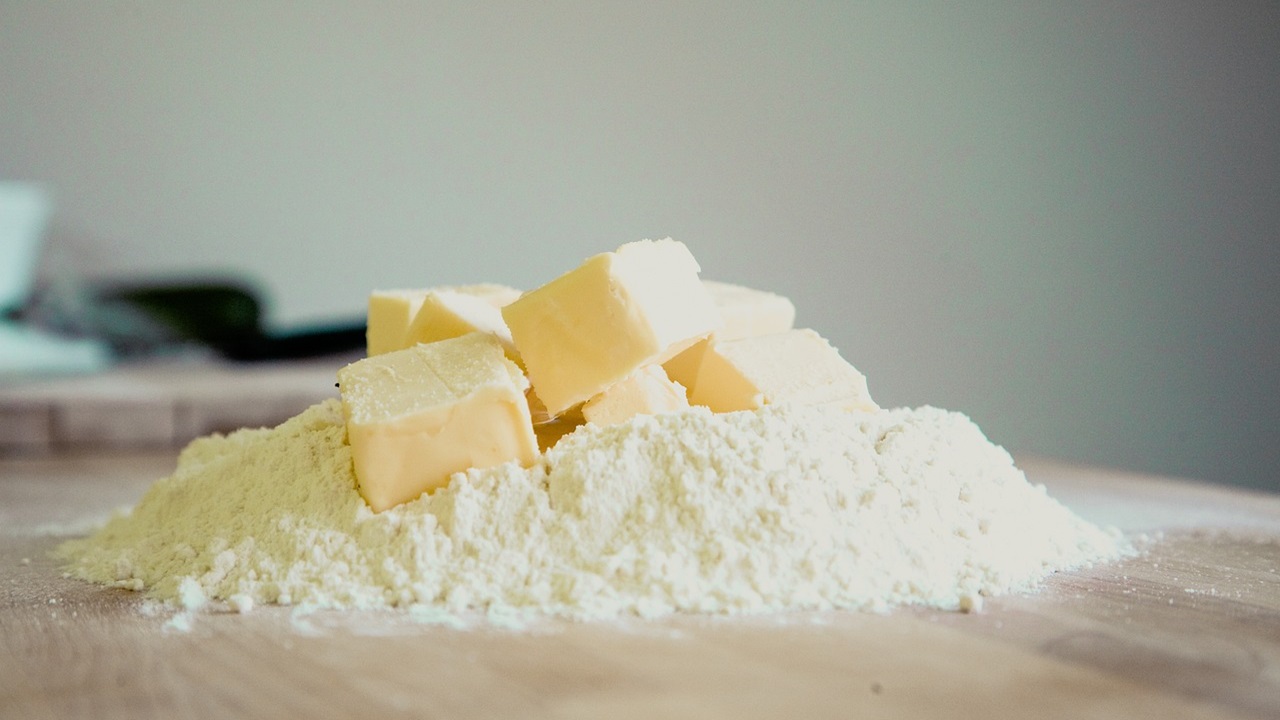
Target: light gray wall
[1059,217]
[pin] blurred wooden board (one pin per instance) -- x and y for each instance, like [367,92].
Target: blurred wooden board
[1189,630]
[157,404]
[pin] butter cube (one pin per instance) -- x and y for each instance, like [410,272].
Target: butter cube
[647,391]
[418,415]
[492,293]
[444,314]
[618,311]
[744,312]
[747,312]
[391,312]
[796,366]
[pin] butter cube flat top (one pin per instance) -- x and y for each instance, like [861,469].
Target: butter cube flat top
[647,391]
[418,415]
[796,366]
[392,312]
[618,311]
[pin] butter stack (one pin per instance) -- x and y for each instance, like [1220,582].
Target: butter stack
[478,375]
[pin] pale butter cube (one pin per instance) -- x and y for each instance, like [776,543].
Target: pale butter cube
[747,312]
[418,415]
[392,312]
[492,293]
[793,367]
[445,314]
[647,391]
[683,368]
[744,312]
[618,311]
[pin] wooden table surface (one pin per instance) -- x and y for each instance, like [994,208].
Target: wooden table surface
[1190,629]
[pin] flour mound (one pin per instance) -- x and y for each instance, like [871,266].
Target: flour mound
[746,512]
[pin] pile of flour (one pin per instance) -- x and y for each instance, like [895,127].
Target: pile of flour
[746,512]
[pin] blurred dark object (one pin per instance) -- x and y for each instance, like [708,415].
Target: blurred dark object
[157,317]
[228,318]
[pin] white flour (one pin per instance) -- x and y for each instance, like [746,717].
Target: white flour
[745,512]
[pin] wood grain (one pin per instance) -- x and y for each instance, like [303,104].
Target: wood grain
[1190,629]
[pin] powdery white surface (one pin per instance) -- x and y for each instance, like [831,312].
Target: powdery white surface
[748,512]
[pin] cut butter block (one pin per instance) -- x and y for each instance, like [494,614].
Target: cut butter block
[391,312]
[492,293]
[796,366]
[618,311]
[747,312]
[647,391]
[418,415]
[445,314]
[744,312]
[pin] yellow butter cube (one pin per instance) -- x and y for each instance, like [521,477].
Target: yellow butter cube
[618,311]
[747,312]
[392,312]
[647,391]
[445,314]
[416,416]
[796,367]
[744,312]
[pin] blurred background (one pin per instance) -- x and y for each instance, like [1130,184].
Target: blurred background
[1059,218]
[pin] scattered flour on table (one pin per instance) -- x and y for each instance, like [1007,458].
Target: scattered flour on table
[747,512]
